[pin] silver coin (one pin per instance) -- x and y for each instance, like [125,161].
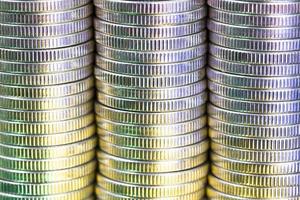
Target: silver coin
[287,94]
[252,82]
[253,69]
[254,106]
[46,42]
[40,6]
[152,20]
[257,7]
[236,117]
[131,31]
[163,44]
[46,17]
[142,69]
[149,7]
[48,30]
[255,57]
[151,93]
[158,82]
[255,44]
[155,57]
[254,32]
[262,21]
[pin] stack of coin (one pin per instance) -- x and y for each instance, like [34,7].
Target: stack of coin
[46,100]
[151,99]
[254,79]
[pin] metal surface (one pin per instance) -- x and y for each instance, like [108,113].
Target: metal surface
[254,94]
[47,135]
[151,93]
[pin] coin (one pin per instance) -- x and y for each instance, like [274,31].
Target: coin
[48,152]
[254,44]
[144,69]
[258,192]
[149,82]
[253,69]
[46,164]
[46,188]
[272,156]
[254,106]
[236,117]
[48,176]
[265,144]
[39,128]
[153,142]
[34,140]
[46,67]
[256,167]
[149,166]
[50,30]
[45,43]
[212,193]
[151,93]
[154,130]
[253,82]
[155,154]
[47,54]
[242,19]
[152,56]
[22,103]
[149,31]
[260,181]
[254,32]
[138,191]
[144,7]
[46,17]
[155,179]
[253,7]
[255,57]
[149,118]
[46,115]
[151,20]
[47,91]
[150,44]
[39,6]
[76,195]
[285,94]
[45,79]
[254,131]
[111,196]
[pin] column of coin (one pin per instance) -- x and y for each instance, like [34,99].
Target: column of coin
[151,99]
[254,80]
[46,100]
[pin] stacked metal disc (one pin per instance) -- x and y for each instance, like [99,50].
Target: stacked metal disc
[254,80]
[151,99]
[46,100]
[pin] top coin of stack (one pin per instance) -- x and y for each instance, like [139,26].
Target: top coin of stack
[254,80]
[46,100]
[151,99]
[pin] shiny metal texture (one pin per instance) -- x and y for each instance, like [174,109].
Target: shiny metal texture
[47,130]
[151,96]
[253,114]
